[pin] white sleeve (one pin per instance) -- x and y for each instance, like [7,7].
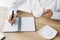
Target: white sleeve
[48,4]
[14,6]
[56,15]
[36,9]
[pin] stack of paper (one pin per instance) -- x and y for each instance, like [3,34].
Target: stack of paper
[21,24]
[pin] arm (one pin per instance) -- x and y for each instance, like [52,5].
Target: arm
[52,6]
[39,5]
[14,6]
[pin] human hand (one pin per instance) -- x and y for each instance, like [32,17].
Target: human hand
[47,13]
[11,20]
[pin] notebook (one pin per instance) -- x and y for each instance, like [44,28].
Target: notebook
[20,24]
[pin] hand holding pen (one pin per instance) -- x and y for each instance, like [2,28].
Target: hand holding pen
[12,18]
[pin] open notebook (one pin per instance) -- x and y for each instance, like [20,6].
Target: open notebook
[20,24]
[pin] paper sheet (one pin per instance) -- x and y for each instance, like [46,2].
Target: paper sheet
[27,24]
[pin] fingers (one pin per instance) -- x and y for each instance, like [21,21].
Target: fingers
[48,10]
[12,20]
[47,13]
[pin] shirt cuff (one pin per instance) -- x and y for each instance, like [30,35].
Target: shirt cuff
[10,12]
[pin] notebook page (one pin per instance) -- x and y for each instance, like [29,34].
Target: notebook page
[27,24]
[10,28]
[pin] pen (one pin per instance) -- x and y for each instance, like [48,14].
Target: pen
[12,15]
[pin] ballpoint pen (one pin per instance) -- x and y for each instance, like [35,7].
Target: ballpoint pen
[12,15]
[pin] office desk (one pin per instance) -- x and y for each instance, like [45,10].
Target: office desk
[39,22]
